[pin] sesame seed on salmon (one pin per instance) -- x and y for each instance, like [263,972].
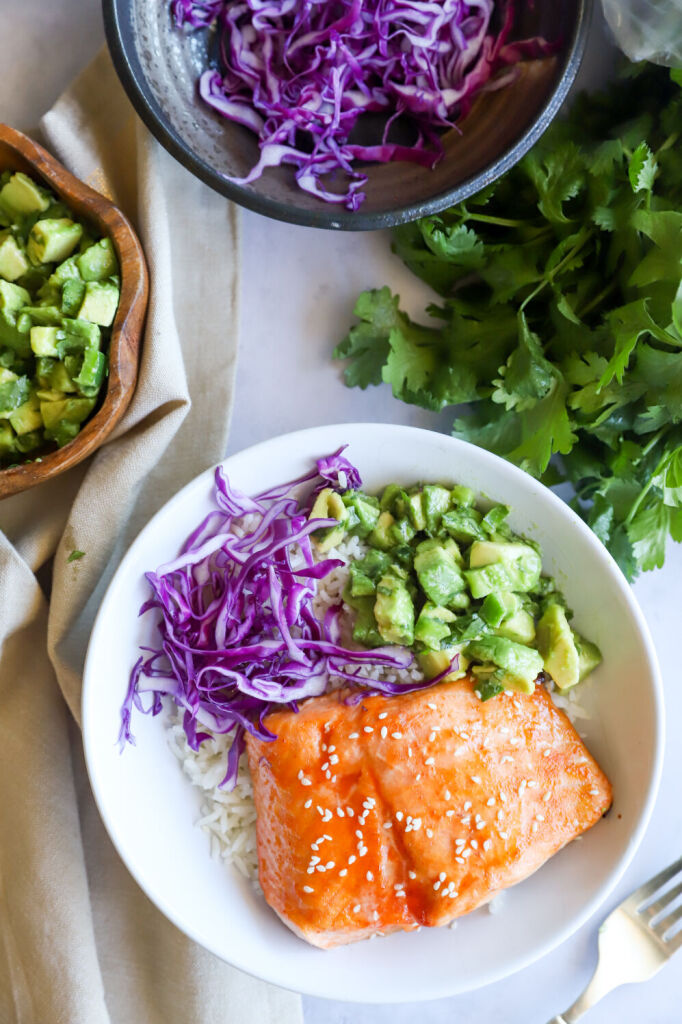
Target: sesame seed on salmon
[490,792]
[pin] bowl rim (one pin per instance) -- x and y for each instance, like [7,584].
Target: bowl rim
[131,75]
[601,554]
[126,330]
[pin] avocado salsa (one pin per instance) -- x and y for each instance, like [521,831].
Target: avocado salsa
[452,582]
[59,291]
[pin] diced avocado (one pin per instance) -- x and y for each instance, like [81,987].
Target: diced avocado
[490,681]
[13,297]
[489,552]
[79,335]
[14,391]
[26,417]
[394,611]
[328,505]
[73,292]
[494,521]
[502,566]
[380,537]
[52,374]
[52,240]
[365,630]
[71,410]
[44,316]
[44,341]
[388,497]
[498,607]
[433,663]
[100,303]
[521,665]
[66,271]
[519,627]
[558,649]
[21,195]
[360,584]
[47,395]
[433,625]
[35,281]
[589,656]
[62,432]
[462,496]
[415,510]
[7,439]
[464,524]
[29,441]
[436,502]
[49,295]
[438,572]
[98,261]
[366,510]
[401,531]
[366,572]
[13,261]
[14,332]
[91,373]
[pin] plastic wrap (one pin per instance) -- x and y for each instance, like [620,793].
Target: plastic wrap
[647,29]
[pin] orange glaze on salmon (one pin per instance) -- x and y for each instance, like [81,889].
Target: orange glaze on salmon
[412,810]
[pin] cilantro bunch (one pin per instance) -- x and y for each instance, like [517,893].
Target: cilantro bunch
[561,314]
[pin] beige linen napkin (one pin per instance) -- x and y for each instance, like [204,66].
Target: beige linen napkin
[79,942]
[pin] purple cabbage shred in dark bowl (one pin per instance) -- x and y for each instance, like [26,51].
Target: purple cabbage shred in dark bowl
[301,73]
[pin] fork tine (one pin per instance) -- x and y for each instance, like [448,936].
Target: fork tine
[659,905]
[674,943]
[650,888]
[667,922]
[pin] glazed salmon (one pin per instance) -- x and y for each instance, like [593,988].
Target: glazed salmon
[411,810]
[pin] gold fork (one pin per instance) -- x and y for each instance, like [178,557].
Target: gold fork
[635,940]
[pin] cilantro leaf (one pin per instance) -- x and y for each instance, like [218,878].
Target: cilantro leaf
[642,169]
[546,429]
[453,243]
[648,533]
[14,393]
[527,375]
[628,324]
[558,176]
[367,344]
[75,556]
[561,314]
[411,362]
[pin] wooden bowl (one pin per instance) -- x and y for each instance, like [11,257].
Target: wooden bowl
[19,153]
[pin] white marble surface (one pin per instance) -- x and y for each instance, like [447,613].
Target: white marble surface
[297,293]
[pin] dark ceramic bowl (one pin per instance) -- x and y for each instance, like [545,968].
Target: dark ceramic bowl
[159,65]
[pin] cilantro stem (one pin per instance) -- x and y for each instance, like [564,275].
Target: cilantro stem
[637,503]
[502,222]
[587,234]
[653,441]
[611,286]
[670,141]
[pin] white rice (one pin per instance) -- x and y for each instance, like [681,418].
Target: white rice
[229,818]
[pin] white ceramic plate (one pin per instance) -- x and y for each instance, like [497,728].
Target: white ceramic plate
[149,807]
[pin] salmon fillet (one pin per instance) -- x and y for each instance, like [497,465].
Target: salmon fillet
[412,810]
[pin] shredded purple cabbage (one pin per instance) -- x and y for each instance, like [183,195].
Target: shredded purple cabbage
[300,73]
[237,635]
